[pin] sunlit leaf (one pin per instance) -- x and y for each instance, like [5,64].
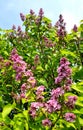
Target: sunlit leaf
[7,109]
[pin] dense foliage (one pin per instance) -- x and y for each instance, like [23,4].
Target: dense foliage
[41,75]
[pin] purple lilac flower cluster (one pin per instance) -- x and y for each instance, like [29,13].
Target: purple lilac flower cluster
[39,93]
[64,80]
[64,73]
[22,16]
[18,34]
[70,103]
[40,16]
[35,106]
[70,117]
[75,29]
[18,64]
[60,25]
[48,43]
[20,68]
[32,12]
[57,100]
[46,122]
[53,105]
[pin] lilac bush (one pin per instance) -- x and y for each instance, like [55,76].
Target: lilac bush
[41,78]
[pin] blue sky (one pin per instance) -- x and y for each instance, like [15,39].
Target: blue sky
[72,11]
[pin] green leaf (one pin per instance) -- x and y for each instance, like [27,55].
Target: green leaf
[39,68]
[7,109]
[81,110]
[66,52]
[43,82]
[78,73]
[25,113]
[78,87]
[80,121]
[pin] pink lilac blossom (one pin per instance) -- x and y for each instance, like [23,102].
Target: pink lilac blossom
[55,93]
[14,27]
[32,81]
[48,43]
[40,98]
[22,95]
[28,73]
[46,122]
[60,26]
[40,89]
[52,105]
[75,29]
[18,64]
[67,88]
[22,16]
[41,12]
[34,108]
[70,117]
[23,87]
[71,102]
[64,61]
[68,81]
[67,85]
[19,30]
[39,92]
[32,12]
[64,71]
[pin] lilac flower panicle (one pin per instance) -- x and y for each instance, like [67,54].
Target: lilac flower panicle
[14,51]
[67,88]
[71,102]
[68,81]
[18,64]
[70,117]
[75,29]
[23,87]
[46,122]
[52,105]
[22,16]
[32,81]
[58,80]
[33,113]
[28,73]
[40,98]
[34,108]
[39,92]
[64,61]
[22,95]
[36,105]
[55,93]
[13,27]
[41,12]
[40,89]
[72,99]
[19,30]
[32,12]
[60,25]
[18,76]
[64,71]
